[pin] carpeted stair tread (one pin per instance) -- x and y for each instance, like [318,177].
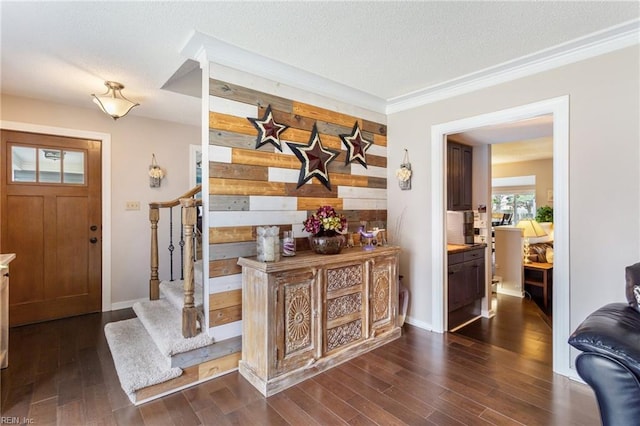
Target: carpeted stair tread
[173,292]
[138,361]
[163,322]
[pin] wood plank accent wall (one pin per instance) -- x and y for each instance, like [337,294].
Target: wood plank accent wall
[251,187]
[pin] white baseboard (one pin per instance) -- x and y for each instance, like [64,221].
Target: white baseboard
[516,293]
[420,324]
[126,304]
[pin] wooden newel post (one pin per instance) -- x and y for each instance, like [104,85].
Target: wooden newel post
[189,312]
[154,282]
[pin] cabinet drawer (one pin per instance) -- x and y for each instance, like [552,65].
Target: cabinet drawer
[455,258]
[473,254]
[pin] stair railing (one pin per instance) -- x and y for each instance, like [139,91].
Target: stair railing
[154,218]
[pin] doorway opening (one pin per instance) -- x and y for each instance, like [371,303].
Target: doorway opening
[558,108]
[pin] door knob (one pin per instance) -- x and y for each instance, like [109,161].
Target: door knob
[93,240]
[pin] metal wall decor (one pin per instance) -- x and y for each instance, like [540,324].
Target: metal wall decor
[315,159]
[356,146]
[268,130]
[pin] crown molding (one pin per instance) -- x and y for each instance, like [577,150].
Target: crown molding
[595,44]
[202,47]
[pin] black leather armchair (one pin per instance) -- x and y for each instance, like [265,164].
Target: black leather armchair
[610,361]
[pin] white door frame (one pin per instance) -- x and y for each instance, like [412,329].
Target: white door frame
[559,108]
[105,138]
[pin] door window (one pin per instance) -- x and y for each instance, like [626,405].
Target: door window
[47,165]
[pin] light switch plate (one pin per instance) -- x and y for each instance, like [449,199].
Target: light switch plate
[132,205]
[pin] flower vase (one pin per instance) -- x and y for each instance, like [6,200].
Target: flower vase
[326,244]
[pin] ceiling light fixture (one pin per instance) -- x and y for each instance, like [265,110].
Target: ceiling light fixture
[113,102]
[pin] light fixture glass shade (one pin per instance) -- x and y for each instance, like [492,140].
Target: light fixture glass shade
[113,102]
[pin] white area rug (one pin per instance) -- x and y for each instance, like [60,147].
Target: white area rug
[163,322]
[138,361]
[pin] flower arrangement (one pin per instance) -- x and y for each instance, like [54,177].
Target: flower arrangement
[325,222]
[403,173]
[156,172]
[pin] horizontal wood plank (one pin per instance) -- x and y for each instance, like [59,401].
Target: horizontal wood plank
[323,114]
[238,171]
[219,186]
[311,190]
[235,140]
[218,366]
[231,234]
[291,120]
[380,140]
[218,121]
[228,203]
[225,299]
[232,250]
[224,267]
[349,180]
[249,96]
[265,159]
[224,316]
[373,127]
[312,203]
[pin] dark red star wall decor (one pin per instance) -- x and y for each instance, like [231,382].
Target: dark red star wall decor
[356,146]
[268,130]
[315,159]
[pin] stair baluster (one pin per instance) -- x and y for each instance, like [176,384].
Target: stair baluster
[189,312]
[154,281]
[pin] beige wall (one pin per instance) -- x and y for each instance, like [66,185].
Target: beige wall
[133,140]
[541,169]
[604,177]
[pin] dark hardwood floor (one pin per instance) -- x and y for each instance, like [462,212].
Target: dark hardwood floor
[519,325]
[61,372]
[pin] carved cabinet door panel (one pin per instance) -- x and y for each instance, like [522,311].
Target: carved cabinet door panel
[383,294]
[345,306]
[296,330]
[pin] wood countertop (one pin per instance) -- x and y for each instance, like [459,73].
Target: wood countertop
[308,258]
[459,248]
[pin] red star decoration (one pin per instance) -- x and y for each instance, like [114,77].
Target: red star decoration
[314,158]
[268,130]
[356,146]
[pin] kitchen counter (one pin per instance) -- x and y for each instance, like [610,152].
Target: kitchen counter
[459,248]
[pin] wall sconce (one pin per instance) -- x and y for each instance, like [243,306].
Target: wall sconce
[530,228]
[113,102]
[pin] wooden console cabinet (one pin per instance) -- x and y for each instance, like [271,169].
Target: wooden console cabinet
[5,259]
[308,313]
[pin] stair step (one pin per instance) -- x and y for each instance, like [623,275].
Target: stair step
[173,292]
[138,361]
[163,322]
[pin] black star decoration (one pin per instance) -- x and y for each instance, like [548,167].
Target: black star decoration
[268,130]
[314,158]
[356,146]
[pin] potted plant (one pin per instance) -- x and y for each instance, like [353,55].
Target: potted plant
[544,214]
[326,227]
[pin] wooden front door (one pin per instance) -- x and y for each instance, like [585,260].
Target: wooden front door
[50,216]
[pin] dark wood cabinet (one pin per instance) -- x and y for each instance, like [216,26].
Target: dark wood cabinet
[466,285]
[459,188]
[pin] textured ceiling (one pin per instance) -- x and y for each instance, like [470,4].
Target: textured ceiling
[64,51]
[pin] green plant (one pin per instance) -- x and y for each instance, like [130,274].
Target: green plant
[544,214]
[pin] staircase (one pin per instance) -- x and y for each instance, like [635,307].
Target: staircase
[167,348]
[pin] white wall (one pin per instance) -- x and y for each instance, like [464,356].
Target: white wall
[133,140]
[604,177]
[541,169]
